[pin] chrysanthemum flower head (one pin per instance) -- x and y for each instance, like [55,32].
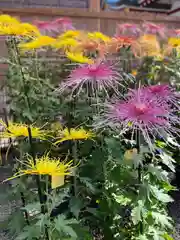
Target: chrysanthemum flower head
[55,26]
[29,30]
[98,76]
[45,165]
[16,130]
[42,41]
[75,134]
[149,45]
[139,112]
[163,93]
[127,29]
[6,19]
[152,28]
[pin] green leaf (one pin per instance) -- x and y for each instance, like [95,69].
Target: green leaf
[166,236]
[160,194]
[141,237]
[162,219]
[75,206]
[122,200]
[158,173]
[32,207]
[168,161]
[137,212]
[62,226]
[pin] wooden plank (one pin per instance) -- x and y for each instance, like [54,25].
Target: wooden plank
[84,13]
[94,5]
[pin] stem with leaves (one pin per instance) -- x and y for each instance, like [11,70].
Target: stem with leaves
[38,182]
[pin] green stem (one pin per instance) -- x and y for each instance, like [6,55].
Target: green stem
[17,56]
[141,224]
[38,182]
[23,200]
[75,158]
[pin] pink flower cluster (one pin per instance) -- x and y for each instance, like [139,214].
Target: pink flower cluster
[150,110]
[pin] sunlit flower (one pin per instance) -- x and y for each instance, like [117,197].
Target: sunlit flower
[74,134]
[152,28]
[139,112]
[149,45]
[42,41]
[46,166]
[78,57]
[98,36]
[16,130]
[95,77]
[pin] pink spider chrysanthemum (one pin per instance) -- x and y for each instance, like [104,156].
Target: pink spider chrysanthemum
[94,77]
[127,29]
[152,28]
[54,27]
[164,93]
[139,113]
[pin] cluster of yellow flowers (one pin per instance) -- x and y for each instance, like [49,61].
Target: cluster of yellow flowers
[45,165]
[12,26]
[78,45]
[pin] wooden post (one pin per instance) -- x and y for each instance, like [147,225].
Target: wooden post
[95,6]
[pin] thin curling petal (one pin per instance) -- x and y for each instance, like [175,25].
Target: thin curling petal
[45,166]
[164,94]
[98,76]
[78,57]
[42,41]
[75,134]
[139,112]
[16,130]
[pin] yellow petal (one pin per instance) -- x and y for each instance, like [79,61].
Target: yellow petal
[57,181]
[78,57]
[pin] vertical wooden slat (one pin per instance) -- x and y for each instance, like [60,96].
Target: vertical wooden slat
[95,6]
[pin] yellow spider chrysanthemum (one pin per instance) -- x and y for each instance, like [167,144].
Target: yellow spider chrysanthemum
[99,36]
[78,57]
[44,165]
[65,43]
[29,30]
[42,41]
[15,130]
[19,29]
[69,34]
[6,19]
[75,134]
[174,42]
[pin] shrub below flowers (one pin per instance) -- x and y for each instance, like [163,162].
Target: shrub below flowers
[96,125]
